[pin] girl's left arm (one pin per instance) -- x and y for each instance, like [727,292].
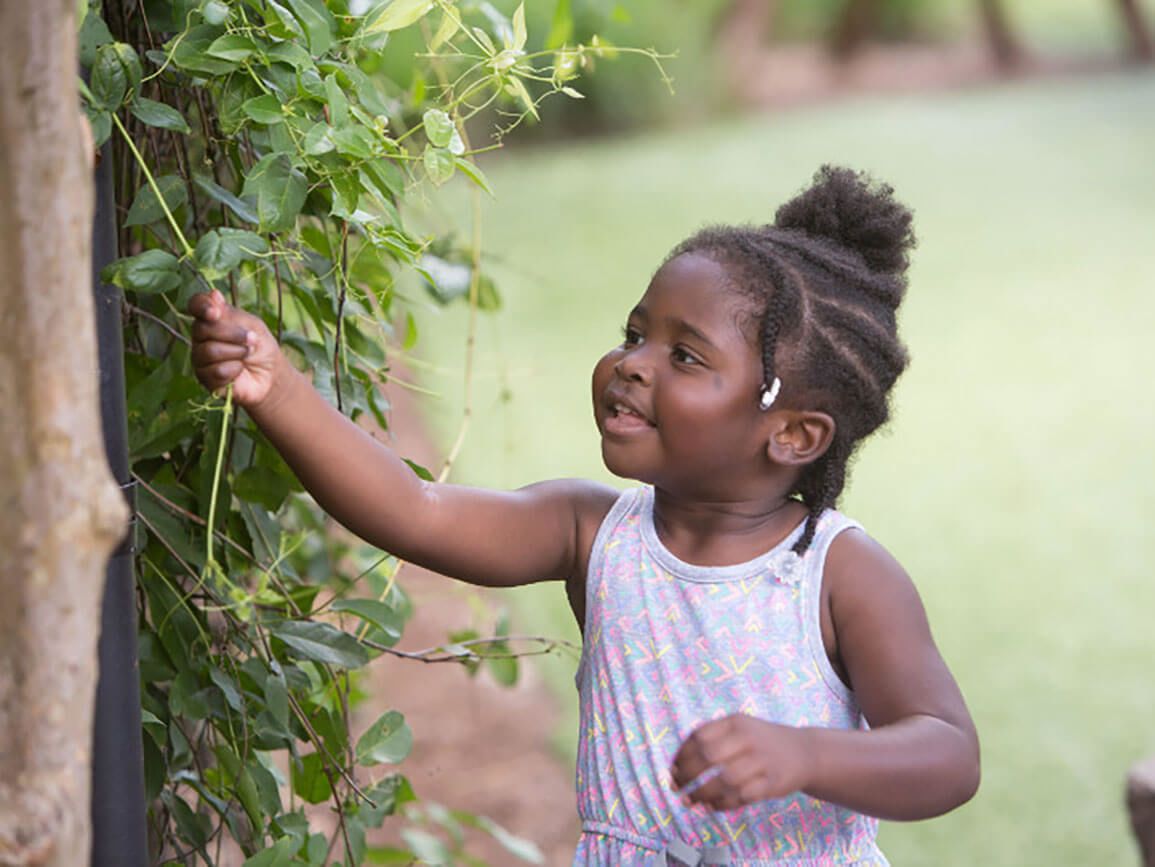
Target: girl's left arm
[920,757]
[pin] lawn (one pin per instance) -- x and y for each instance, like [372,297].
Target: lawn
[1016,480]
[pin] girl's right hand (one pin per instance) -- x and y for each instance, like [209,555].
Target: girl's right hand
[230,346]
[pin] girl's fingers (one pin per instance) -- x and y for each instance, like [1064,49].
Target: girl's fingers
[215,376]
[225,332]
[213,351]
[205,306]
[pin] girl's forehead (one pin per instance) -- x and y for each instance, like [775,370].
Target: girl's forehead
[699,284]
[697,290]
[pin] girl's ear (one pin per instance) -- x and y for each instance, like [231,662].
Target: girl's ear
[799,437]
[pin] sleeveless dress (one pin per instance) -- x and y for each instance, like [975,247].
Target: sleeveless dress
[669,646]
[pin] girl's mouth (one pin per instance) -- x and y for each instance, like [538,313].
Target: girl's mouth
[623,421]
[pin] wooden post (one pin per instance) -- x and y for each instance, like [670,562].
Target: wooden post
[61,512]
[1141,806]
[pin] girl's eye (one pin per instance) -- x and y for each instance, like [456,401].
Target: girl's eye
[631,336]
[682,356]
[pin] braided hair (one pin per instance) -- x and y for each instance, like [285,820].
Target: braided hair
[826,278]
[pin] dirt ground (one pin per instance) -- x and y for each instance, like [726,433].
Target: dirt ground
[478,746]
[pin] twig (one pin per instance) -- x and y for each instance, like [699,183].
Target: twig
[138,311]
[439,653]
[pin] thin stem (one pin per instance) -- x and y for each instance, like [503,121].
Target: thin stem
[188,250]
[226,417]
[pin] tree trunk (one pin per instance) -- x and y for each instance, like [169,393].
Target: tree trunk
[745,26]
[854,27]
[1142,48]
[1141,805]
[1004,46]
[61,514]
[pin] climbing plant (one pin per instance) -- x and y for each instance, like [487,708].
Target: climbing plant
[260,149]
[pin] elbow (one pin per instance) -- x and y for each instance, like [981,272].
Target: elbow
[965,774]
[970,775]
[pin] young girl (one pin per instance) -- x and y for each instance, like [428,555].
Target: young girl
[758,681]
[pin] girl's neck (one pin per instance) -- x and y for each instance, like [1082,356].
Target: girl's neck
[722,533]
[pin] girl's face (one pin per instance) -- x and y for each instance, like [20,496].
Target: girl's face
[677,402]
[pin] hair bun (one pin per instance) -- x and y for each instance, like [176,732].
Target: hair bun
[849,208]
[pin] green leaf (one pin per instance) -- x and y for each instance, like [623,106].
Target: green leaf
[488,298]
[278,855]
[277,701]
[215,12]
[338,103]
[346,194]
[355,141]
[93,34]
[101,126]
[220,251]
[264,109]
[439,164]
[426,847]
[519,34]
[187,698]
[408,343]
[394,16]
[232,46]
[561,29]
[116,72]
[380,614]
[217,193]
[158,114]
[150,271]
[474,173]
[262,485]
[439,127]
[450,24]
[292,54]
[190,50]
[228,688]
[309,779]
[388,741]
[486,42]
[279,190]
[318,140]
[281,23]
[515,88]
[146,207]
[523,849]
[317,22]
[504,669]
[321,642]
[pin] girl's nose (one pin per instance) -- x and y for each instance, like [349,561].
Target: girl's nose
[634,366]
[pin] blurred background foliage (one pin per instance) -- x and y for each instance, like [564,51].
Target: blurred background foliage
[627,95]
[1014,483]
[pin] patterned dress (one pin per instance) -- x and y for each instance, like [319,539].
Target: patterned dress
[669,646]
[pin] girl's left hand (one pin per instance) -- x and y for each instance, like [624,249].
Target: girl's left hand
[741,760]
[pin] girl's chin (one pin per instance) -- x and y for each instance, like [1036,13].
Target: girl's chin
[624,468]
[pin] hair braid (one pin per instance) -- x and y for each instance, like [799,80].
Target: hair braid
[828,277]
[828,479]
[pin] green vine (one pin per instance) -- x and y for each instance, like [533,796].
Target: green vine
[264,148]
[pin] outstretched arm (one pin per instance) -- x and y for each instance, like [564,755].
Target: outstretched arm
[920,757]
[494,538]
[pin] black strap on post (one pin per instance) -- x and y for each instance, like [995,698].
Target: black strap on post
[119,837]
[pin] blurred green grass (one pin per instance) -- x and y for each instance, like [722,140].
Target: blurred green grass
[1015,482]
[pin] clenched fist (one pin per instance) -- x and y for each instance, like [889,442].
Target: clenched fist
[230,346]
[739,760]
